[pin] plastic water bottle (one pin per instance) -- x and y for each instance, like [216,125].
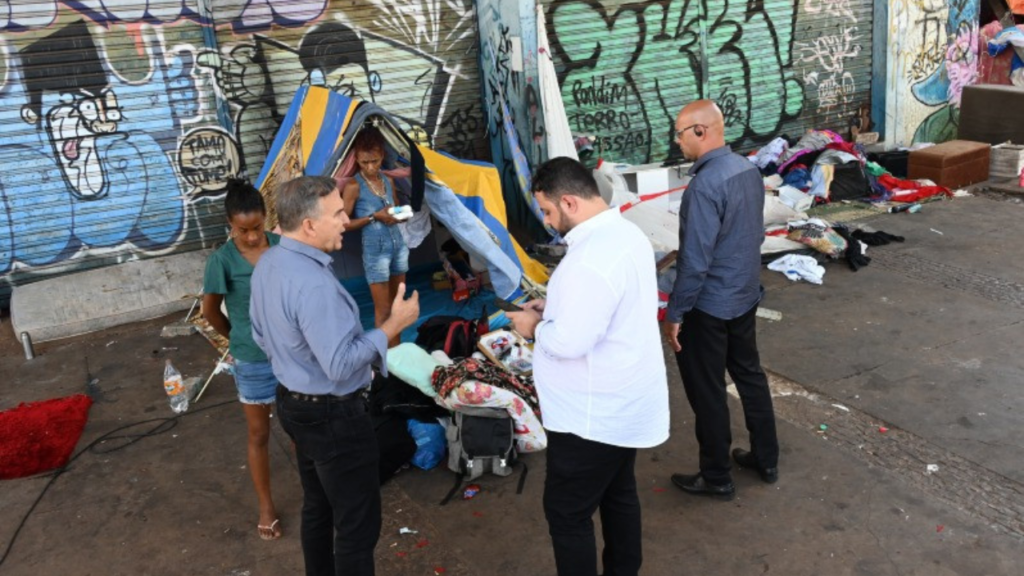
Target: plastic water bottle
[175,389]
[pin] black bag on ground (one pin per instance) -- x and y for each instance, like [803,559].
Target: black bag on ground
[394,443]
[455,335]
[391,395]
[481,440]
[849,182]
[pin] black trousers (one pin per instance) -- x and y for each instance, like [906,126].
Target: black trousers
[337,457]
[582,477]
[712,346]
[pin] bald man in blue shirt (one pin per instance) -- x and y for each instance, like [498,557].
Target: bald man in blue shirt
[711,317]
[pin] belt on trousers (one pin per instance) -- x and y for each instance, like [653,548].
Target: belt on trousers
[318,397]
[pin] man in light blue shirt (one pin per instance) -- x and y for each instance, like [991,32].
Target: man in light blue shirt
[308,325]
[710,321]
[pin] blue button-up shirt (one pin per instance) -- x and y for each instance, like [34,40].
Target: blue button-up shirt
[721,228]
[308,324]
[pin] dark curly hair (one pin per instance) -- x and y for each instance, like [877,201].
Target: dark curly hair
[242,198]
[368,139]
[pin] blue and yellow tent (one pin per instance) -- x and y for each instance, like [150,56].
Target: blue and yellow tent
[464,196]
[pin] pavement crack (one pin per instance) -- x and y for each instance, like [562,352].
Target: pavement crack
[860,372]
[972,336]
[871,530]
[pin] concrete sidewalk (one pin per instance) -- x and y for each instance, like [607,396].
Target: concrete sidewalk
[891,347]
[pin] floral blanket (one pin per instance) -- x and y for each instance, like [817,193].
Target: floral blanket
[465,384]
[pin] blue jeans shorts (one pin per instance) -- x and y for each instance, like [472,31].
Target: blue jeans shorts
[256,382]
[384,254]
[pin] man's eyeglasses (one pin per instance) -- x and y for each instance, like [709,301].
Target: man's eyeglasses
[679,133]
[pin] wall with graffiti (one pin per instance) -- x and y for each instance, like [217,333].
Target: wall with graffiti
[510,93]
[933,54]
[780,67]
[120,121]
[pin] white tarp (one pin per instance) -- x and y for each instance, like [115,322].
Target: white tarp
[556,123]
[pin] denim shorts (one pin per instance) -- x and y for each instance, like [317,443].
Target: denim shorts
[384,253]
[255,381]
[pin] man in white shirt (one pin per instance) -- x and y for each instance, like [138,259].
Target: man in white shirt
[599,371]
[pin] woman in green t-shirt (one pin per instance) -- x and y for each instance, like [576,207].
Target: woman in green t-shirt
[227,280]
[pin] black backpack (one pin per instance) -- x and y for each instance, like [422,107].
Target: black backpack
[453,334]
[481,440]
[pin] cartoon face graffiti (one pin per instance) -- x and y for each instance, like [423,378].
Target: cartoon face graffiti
[73,126]
[334,56]
[67,84]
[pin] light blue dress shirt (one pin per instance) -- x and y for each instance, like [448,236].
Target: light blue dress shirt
[308,324]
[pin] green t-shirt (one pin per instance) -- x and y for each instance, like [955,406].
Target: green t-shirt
[229,273]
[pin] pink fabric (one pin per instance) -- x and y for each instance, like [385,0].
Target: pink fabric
[993,69]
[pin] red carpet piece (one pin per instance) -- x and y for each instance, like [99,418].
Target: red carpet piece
[40,436]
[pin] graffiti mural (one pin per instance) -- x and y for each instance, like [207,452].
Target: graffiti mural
[828,54]
[515,123]
[932,64]
[627,69]
[89,166]
[403,60]
[122,120]
[242,15]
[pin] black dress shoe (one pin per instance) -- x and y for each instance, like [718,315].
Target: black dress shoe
[747,459]
[695,484]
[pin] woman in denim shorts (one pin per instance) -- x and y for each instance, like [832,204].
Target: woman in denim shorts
[227,280]
[367,199]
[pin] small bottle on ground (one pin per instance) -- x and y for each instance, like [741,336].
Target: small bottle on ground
[176,393]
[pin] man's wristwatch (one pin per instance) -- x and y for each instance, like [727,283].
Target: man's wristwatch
[371,218]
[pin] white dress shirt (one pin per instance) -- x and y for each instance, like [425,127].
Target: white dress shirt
[598,361]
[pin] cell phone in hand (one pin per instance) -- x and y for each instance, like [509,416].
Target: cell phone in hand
[506,306]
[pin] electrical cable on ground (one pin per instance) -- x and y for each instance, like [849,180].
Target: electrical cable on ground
[164,425]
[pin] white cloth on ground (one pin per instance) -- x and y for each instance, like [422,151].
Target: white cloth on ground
[796,199]
[777,212]
[797,267]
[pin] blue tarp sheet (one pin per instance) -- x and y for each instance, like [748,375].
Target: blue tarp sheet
[432,302]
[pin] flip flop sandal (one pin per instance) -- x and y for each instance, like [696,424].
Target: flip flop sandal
[271,532]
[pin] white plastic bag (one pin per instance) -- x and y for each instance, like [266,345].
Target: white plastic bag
[613,185]
[777,212]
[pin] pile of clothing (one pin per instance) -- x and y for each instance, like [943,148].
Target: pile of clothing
[822,167]
[832,241]
[1010,38]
